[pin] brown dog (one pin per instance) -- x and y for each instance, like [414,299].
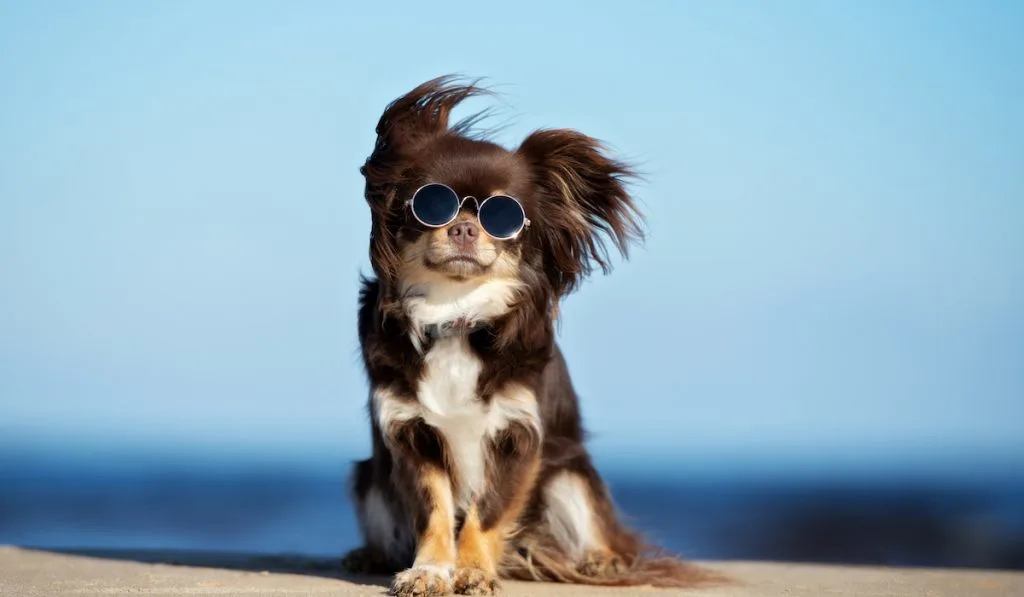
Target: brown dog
[479,469]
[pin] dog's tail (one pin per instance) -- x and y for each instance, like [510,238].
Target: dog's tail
[629,563]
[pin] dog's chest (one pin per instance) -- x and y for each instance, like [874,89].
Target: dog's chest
[447,393]
[451,372]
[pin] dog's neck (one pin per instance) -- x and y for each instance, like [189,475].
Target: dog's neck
[445,307]
[452,329]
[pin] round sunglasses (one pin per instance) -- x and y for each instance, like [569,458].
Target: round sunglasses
[436,205]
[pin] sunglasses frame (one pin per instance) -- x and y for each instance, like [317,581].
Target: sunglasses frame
[479,206]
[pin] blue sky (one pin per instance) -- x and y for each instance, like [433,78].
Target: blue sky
[835,198]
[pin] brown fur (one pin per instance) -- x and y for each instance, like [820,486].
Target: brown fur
[406,492]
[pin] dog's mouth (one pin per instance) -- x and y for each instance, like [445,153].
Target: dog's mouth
[459,265]
[461,259]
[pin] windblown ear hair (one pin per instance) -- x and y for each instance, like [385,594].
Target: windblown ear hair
[583,207]
[408,124]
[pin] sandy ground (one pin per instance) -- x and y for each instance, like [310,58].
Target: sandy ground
[25,573]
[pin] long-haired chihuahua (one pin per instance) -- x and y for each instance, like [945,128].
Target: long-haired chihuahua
[479,470]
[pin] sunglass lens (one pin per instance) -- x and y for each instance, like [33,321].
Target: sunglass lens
[502,216]
[435,205]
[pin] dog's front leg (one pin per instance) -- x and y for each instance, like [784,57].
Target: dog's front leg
[431,572]
[514,461]
[420,473]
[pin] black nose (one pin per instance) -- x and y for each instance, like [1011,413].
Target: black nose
[463,233]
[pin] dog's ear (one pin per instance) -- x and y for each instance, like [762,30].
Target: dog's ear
[404,130]
[407,125]
[583,204]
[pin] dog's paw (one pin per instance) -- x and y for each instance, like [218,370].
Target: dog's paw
[596,564]
[474,581]
[422,581]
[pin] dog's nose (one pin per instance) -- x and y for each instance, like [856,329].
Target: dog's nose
[463,233]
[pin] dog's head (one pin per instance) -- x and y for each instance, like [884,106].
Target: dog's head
[573,194]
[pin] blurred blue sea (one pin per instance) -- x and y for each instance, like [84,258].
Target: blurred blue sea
[961,519]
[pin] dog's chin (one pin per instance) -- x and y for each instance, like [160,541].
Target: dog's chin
[459,267]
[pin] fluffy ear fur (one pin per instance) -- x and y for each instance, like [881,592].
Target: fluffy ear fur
[406,126]
[584,205]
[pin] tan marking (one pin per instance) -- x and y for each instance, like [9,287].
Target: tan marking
[436,545]
[478,548]
[483,548]
[435,246]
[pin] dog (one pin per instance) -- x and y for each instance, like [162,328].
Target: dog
[479,469]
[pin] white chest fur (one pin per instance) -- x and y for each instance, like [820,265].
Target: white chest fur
[447,398]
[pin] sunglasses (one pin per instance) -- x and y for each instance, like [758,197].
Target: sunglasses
[436,205]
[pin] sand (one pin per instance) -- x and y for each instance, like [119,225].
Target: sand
[25,573]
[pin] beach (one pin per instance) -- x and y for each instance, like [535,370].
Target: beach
[30,573]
